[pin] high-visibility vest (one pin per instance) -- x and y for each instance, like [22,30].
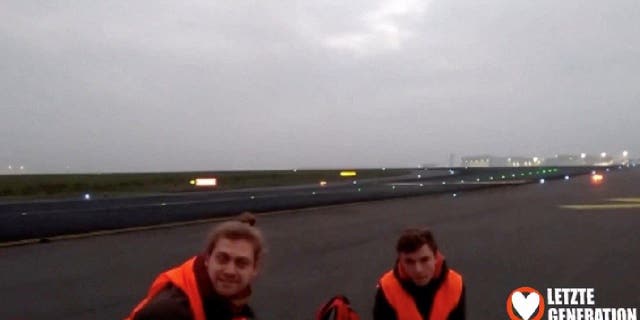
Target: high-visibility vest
[182,277]
[445,299]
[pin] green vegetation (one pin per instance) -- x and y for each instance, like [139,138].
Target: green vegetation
[107,185]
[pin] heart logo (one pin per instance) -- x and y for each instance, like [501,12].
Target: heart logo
[525,306]
[520,307]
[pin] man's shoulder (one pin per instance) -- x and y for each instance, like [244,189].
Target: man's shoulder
[456,273]
[169,303]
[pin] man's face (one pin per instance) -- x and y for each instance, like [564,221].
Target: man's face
[231,266]
[419,265]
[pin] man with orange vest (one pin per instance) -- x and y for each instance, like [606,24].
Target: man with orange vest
[420,286]
[213,285]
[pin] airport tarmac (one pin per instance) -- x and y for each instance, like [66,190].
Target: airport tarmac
[563,233]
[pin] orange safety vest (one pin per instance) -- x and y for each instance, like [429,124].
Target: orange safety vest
[182,277]
[445,300]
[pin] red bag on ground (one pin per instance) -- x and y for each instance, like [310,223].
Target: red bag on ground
[337,308]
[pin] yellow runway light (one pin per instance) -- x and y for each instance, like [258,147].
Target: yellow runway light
[348,174]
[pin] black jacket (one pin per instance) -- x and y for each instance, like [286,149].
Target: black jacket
[422,295]
[172,303]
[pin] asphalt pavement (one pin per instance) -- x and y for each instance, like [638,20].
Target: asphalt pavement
[563,233]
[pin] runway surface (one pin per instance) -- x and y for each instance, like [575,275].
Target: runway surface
[499,239]
[33,220]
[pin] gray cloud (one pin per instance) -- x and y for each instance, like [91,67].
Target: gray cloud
[124,86]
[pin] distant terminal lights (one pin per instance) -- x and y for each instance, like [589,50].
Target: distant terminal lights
[582,159]
[12,168]
[494,161]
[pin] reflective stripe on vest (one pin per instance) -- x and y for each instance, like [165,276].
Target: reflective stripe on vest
[445,300]
[182,277]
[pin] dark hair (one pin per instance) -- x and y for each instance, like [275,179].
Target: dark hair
[413,239]
[240,228]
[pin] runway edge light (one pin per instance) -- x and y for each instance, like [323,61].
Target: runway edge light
[597,178]
[205,182]
[348,173]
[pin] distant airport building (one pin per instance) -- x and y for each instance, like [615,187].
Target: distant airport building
[494,161]
[477,161]
[13,169]
[602,161]
[523,162]
[567,160]
[429,165]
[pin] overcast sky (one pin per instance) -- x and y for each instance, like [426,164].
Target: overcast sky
[220,85]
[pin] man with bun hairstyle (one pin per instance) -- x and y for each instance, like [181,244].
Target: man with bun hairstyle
[215,285]
[420,286]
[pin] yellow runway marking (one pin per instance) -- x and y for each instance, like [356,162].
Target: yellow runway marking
[627,203]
